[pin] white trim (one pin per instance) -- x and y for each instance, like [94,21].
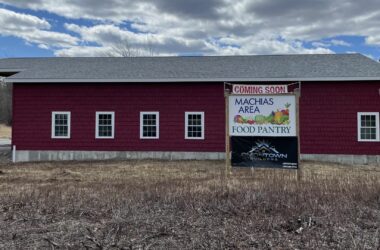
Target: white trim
[163,80]
[112,113]
[202,124]
[142,113]
[359,126]
[68,113]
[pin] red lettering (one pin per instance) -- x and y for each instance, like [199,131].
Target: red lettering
[259,89]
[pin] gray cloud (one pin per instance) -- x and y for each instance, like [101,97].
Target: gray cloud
[309,9]
[195,9]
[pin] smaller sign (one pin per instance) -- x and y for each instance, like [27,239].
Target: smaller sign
[266,152]
[241,89]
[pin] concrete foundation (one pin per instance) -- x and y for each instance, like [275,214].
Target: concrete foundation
[344,159]
[39,155]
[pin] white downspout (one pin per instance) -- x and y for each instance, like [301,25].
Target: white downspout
[14,154]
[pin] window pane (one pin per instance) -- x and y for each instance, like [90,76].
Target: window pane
[367,121]
[362,121]
[367,136]
[105,119]
[373,133]
[105,131]
[153,129]
[373,122]
[362,131]
[368,133]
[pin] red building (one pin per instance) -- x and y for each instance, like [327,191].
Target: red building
[174,107]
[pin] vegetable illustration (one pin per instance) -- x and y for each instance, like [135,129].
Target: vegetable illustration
[278,117]
[286,111]
[270,118]
[260,119]
[238,119]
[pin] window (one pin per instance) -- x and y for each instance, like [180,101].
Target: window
[368,126]
[194,125]
[149,125]
[60,125]
[105,125]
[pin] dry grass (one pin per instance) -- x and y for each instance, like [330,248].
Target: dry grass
[5,131]
[187,205]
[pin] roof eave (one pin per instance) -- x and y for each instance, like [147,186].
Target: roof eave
[309,79]
[11,70]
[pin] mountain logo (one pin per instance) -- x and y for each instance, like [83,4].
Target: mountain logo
[263,151]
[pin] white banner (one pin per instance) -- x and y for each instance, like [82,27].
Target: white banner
[266,115]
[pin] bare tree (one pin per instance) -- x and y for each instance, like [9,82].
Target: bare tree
[6,103]
[125,49]
[5,95]
[149,46]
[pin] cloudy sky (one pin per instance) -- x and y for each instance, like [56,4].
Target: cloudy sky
[188,27]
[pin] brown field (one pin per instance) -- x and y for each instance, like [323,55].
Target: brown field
[5,131]
[187,205]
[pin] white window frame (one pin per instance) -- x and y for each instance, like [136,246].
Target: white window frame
[376,114]
[68,113]
[112,113]
[202,123]
[142,113]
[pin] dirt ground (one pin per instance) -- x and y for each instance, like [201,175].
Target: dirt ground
[5,131]
[187,205]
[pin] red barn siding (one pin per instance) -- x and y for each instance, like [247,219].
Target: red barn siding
[35,102]
[328,117]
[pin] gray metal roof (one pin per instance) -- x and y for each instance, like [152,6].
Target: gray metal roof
[193,69]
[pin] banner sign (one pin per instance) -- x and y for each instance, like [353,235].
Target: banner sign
[240,89]
[267,152]
[263,115]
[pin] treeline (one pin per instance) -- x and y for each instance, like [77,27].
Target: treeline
[6,104]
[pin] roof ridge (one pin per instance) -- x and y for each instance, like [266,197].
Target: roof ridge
[188,56]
